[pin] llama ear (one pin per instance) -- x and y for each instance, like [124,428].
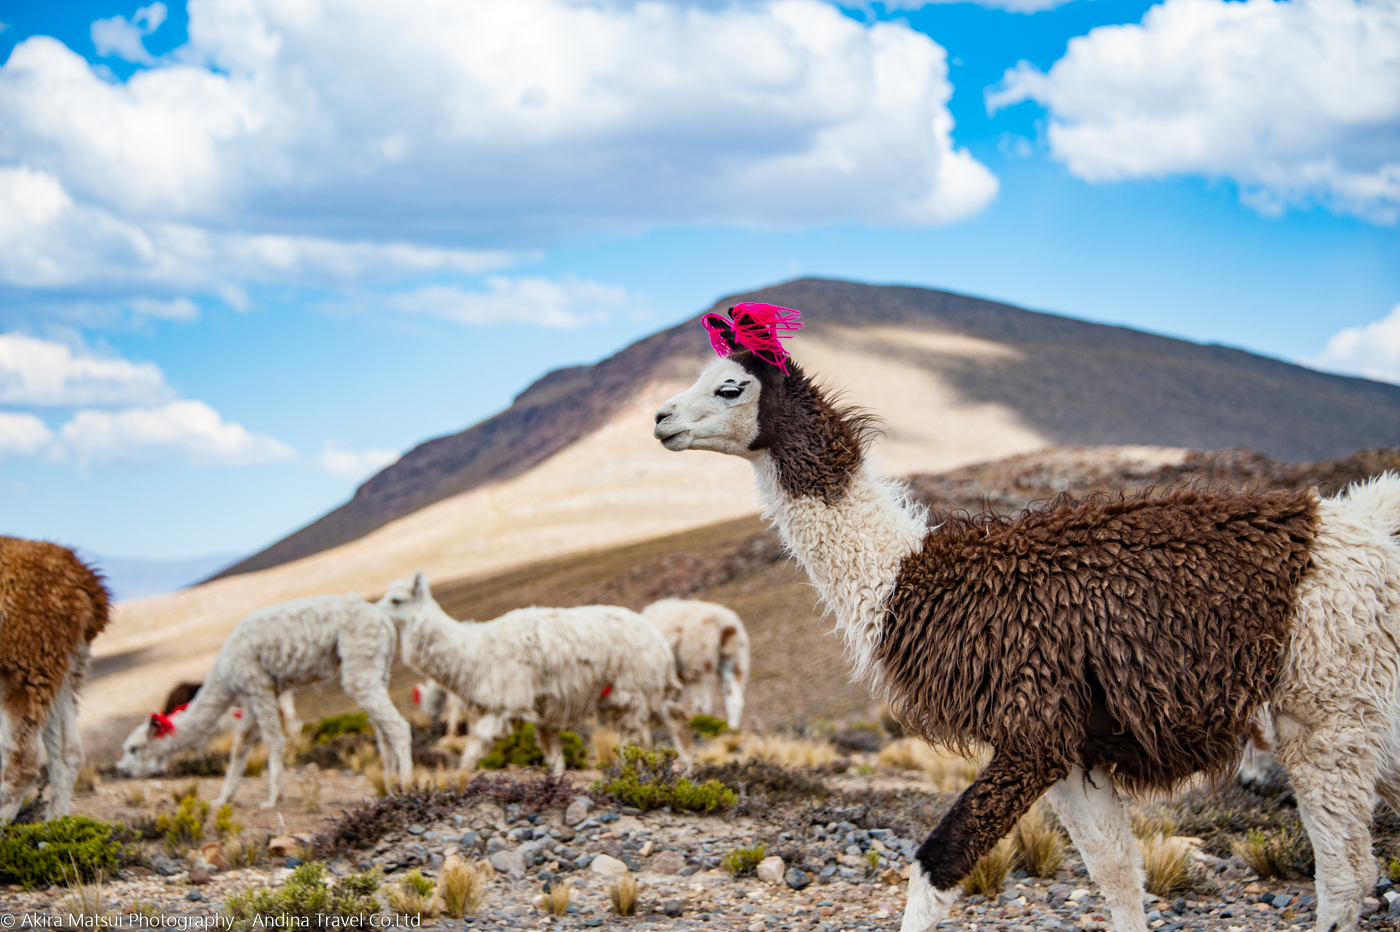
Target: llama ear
[420,585]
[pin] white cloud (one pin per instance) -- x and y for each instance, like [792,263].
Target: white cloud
[42,373]
[180,431]
[1297,102]
[355,464]
[124,38]
[1372,350]
[1011,6]
[494,121]
[22,435]
[566,304]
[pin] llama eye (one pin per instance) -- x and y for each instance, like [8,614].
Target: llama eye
[730,392]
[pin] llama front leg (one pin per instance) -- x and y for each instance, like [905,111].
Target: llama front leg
[552,746]
[65,751]
[394,736]
[732,676]
[488,728]
[984,813]
[1093,813]
[237,759]
[20,725]
[267,718]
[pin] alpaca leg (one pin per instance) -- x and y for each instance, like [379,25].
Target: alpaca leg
[243,742]
[454,714]
[552,746]
[392,733]
[732,677]
[1092,812]
[287,708]
[19,752]
[65,751]
[678,724]
[267,718]
[984,813]
[483,737]
[1335,800]
[702,697]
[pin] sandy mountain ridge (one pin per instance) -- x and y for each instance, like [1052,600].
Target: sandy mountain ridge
[572,468]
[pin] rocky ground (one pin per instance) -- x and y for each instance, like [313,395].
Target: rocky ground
[839,870]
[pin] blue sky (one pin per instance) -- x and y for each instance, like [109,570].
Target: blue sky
[249,252]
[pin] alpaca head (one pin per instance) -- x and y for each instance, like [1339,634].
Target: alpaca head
[145,750]
[405,597]
[431,698]
[720,412]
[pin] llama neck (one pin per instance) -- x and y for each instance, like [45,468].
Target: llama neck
[199,720]
[851,548]
[438,646]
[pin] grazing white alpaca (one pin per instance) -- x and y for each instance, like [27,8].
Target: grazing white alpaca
[51,607]
[439,705]
[711,646]
[271,651]
[553,667]
[1092,645]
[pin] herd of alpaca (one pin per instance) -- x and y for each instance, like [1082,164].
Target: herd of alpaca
[1095,646]
[1099,645]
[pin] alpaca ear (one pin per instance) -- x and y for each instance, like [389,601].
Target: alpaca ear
[420,585]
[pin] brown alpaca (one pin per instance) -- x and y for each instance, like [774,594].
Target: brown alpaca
[51,607]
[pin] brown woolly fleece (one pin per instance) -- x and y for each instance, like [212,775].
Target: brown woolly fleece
[815,446]
[50,603]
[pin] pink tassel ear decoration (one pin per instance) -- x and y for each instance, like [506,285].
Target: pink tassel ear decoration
[161,725]
[754,327]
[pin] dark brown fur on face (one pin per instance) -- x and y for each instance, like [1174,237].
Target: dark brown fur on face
[51,607]
[1137,635]
[815,446]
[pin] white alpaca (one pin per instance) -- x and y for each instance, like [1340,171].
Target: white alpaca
[711,647]
[271,651]
[553,667]
[439,705]
[941,618]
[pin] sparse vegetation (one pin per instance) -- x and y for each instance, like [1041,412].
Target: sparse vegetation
[865,737]
[624,895]
[135,797]
[462,887]
[88,779]
[1040,844]
[83,906]
[604,743]
[742,862]
[519,747]
[647,780]
[185,829]
[309,779]
[950,772]
[989,873]
[246,852]
[328,729]
[224,826]
[308,895]
[68,849]
[1167,863]
[707,726]
[730,747]
[413,896]
[556,899]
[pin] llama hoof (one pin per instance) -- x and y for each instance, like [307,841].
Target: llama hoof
[927,905]
[271,804]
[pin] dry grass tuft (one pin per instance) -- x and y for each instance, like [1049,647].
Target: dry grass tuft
[1167,862]
[88,779]
[1261,853]
[1150,823]
[604,743]
[624,896]
[1040,844]
[414,896]
[309,779]
[462,887]
[949,771]
[556,901]
[83,906]
[733,747]
[374,773]
[135,797]
[243,852]
[989,874]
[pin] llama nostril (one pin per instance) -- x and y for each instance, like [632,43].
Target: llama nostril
[661,416]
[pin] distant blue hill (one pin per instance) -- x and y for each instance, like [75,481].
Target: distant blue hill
[134,577]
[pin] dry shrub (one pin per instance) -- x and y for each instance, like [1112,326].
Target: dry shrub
[556,901]
[88,779]
[246,852]
[1040,844]
[1167,863]
[1150,823]
[461,887]
[604,742]
[789,752]
[989,873]
[1261,853]
[414,896]
[309,779]
[135,797]
[950,772]
[359,757]
[374,773]
[83,906]
[624,895]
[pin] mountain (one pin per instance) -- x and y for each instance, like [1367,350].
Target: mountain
[1061,381]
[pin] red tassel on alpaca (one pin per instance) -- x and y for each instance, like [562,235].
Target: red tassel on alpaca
[754,327]
[417,693]
[162,725]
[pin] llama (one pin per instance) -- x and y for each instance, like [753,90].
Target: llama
[710,645]
[1095,646]
[440,705]
[182,694]
[272,651]
[553,667]
[51,607]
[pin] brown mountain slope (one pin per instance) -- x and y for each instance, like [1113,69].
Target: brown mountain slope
[1070,382]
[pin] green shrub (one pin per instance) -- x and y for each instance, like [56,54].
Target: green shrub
[306,895]
[328,729]
[707,726]
[519,747]
[645,779]
[743,861]
[224,826]
[185,829]
[45,853]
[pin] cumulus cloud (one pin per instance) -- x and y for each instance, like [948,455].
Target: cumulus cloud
[179,431]
[566,304]
[1372,350]
[514,121]
[1297,102]
[126,38]
[42,373]
[22,435]
[355,464]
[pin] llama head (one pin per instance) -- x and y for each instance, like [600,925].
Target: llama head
[144,751]
[721,411]
[405,597]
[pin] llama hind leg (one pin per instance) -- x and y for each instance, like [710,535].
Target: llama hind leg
[243,739]
[65,751]
[267,718]
[980,817]
[394,736]
[549,742]
[1093,813]
[19,754]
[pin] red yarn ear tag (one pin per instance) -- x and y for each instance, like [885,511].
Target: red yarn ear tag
[161,725]
[754,327]
[607,691]
[417,693]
